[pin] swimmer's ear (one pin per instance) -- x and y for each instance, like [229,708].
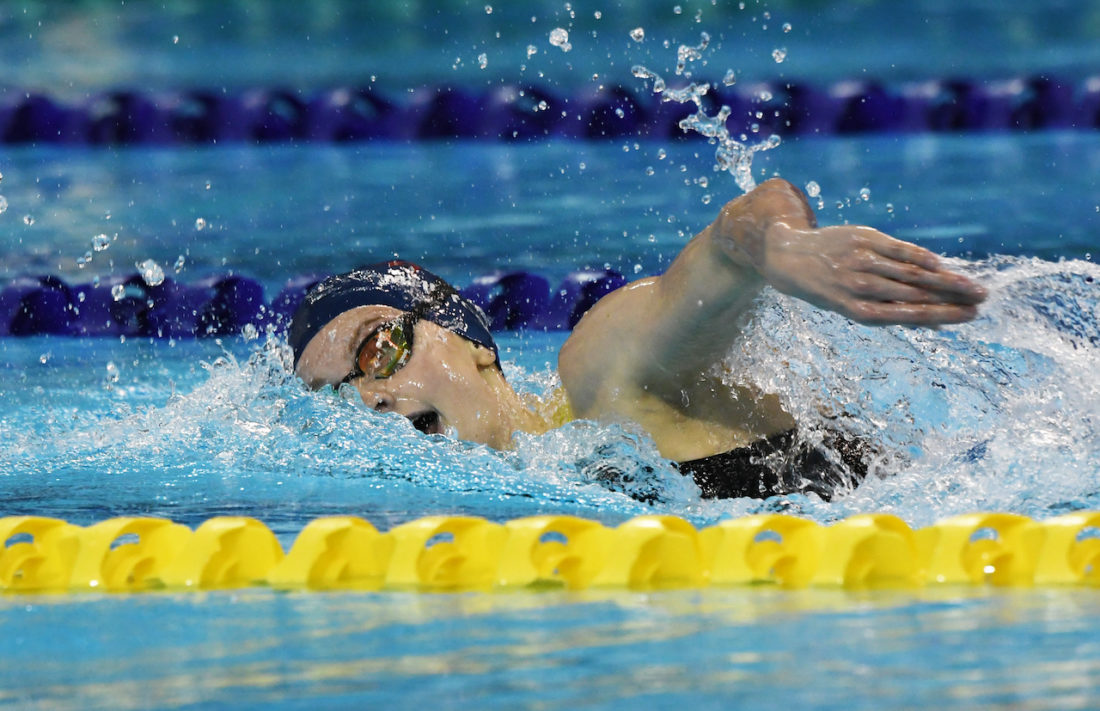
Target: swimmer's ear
[483,356]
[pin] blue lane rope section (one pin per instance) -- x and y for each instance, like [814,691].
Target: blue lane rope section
[529,112]
[228,304]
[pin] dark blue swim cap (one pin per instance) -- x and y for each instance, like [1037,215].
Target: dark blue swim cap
[399,284]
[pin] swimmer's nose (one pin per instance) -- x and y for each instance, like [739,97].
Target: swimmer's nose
[377,400]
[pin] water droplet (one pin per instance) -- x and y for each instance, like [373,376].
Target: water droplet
[117,292]
[482,60]
[175,39]
[488,9]
[3,204]
[765,95]
[620,113]
[865,194]
[779,54]
[786,27]
[637,34]
[813,189]
[637,268]
[249,332]
[706,199]
[28,220]
[532,50]
[889,207]
[1,177]
[649,170]
[101,242]
[200,224]
[112,372]
[730,79]
[560,38]
[151,272]
[661,155]
[178,266]
[773,141]
[44,358]
[678,10]
[542,106]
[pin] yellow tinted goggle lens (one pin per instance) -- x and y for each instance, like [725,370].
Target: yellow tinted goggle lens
[385,351]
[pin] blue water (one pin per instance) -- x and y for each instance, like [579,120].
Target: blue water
[995,415]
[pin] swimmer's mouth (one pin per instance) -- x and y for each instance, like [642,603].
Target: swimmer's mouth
[427,422]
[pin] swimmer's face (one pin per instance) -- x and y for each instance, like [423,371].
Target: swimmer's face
[436,378]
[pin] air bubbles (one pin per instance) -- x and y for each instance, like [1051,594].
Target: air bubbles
[178,266]
[637,34]
[773,141]
[649,170]
[118,291]
[200,224]
[28,220]
[175,39]
[3,204]
[813,189]
[678,10]
[249,332]
[559,37]
[112,372]
[661,154]
[488,9]
[730,78]
[101,242]
[779,54]
[532,50]
[482,60]
[865,194]
[151,272]
[786,27]
[890,207]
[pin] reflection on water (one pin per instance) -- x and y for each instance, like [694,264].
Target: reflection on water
[757,648]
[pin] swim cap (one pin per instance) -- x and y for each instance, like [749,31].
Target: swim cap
[402,285]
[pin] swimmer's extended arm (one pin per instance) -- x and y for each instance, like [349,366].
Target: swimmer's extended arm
[659,335]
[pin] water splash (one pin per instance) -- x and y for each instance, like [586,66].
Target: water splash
[731,155]
[997,414]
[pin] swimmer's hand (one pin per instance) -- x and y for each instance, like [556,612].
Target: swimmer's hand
[855,271]
[867,276]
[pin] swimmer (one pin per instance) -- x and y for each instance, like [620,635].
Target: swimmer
[644,354]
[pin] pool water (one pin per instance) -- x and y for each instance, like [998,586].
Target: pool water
[999,414]
[994,415]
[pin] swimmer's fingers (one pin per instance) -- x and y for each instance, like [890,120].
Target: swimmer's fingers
[865,286]
[923,285]
[910,264]
[883,313]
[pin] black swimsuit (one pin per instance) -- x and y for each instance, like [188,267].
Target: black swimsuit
[779,464]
